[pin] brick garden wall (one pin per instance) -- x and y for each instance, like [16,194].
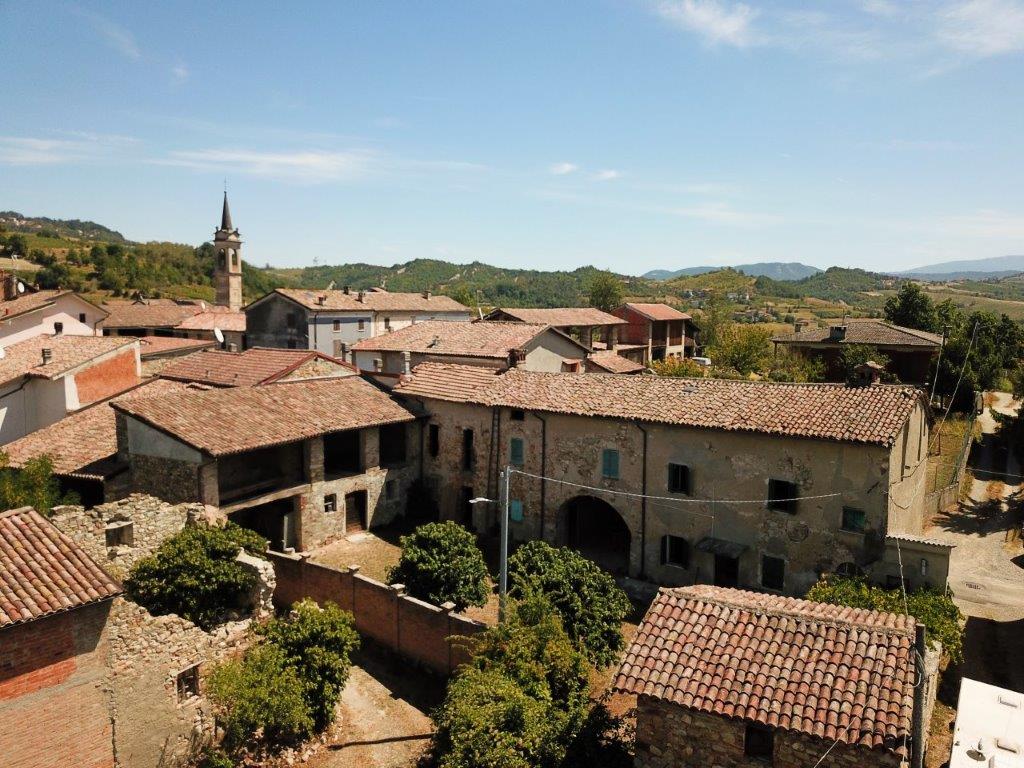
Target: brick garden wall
[412,628]
[53,707]
[669,736]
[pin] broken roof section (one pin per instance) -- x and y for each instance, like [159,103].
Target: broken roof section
[258,365]
[220,422]
[872,414]
[43,572]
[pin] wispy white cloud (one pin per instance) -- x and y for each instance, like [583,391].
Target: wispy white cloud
[725,214]
[116,36]
[309,166]
[715,21]
[983,27]
[77,147]
[607,175]
[180,73]
[562,169]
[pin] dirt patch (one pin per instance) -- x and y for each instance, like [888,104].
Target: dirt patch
[374,555]
[940,736]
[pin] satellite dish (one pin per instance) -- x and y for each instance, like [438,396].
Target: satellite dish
[21,287]
[218,334]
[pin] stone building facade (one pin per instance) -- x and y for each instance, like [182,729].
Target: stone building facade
[715,516]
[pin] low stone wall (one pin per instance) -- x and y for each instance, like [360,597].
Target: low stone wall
[413,628]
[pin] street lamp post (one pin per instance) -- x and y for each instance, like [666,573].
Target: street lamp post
[502,502]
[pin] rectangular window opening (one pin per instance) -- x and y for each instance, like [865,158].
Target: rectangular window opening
[675,550]
[773,572]
[434,440]
[782,496]
[187,683]
[517,415]
[515,510]
[121,534]
[854,519]
[679,479]
[610,464]
[516,452]
[759,742]
[468,456]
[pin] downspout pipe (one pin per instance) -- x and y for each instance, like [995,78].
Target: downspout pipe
[643,508]
[917,721]
[543,470]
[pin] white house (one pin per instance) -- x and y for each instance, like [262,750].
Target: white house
[26,312]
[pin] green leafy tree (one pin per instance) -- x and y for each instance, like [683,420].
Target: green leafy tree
[588,601]
[741,348]
[679,367]
[855,355]
[194,573]
[17,245]
[936,610]
[791,366]
[605,291]
[442,563]
[911,307]
[31,485]
[317,644]
[714,317]
[463,295]
[259,698]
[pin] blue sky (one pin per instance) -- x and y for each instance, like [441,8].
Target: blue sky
[630,134]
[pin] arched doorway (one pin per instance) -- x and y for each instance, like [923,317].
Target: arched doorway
[597,530]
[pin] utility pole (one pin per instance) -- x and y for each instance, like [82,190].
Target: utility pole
[503,559]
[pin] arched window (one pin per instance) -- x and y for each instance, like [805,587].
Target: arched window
[675,550]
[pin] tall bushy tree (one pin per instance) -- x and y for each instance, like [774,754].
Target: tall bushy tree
[31,485]
[855,355]
[587,599]
[911,307]
[605,291]
[441,562]
[741,348]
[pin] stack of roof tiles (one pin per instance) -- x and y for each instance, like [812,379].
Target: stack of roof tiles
[829,671]
[872,414]
[43,572]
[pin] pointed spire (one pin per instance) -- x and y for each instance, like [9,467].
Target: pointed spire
[225,217]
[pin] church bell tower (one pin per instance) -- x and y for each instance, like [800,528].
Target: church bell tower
[227,270]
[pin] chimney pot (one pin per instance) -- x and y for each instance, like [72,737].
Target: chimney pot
[345,290]
[47,355]
[426,294]
[321,299]
[406,363]
[837,332]
[362,295]
[232,347]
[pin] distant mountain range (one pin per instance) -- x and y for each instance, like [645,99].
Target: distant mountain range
[776,270]
[969,269]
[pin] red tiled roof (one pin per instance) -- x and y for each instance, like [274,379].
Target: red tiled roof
[561,317]
[225,421]
[84,443]
[658,311]
[373,301]
[869,414]
[28,302]
[875,332]
[211,319]
[613,362]
[25,358]
[42,571]
[254,366]
[830,671]
[458,339]
[155,346]
[444,381]
[153,313]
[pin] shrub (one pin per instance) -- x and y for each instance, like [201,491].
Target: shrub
[936,610]
[855,355]
[317,644]
[259,698]
[31,485]
[680,367]
[440,563]
[194,574]
[587,599]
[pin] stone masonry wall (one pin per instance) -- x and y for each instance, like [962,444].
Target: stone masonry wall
[173,481]
[669,736]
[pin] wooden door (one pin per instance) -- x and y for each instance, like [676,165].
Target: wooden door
[355,511]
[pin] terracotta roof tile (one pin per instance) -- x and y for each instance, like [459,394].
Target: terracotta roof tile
[869,414]
[28,302]
[788,663]
[84,444]
[456,383]
[155,346]
[375,301]
[154,313]
[461,339]
[658,311]
[42,571]
[254,366]
[211,319]
[226,421]
[25,358]
[613,362]
[876,332]
[562,317]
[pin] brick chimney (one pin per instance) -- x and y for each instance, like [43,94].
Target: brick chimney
[426,294]
[345,290]
[361,296]
[47,356]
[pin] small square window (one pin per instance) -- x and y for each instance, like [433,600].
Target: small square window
[853,519]
[434,440]
[679,478]
[120,534]
[516,452]
[675,550]
[290,318]
[331,502]
[187,683]
[610,463]
[390,489]
[517,415]
[362,325]
[515,511]
[337,325]
[773,572]
[782,496]
[81,317]
[759,742]
[387,323]
[58,328]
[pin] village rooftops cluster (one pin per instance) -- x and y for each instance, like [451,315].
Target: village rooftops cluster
[873,332]
[829,671]
[558,317]
[872,414]
[488,339]
[221,368]
[220,422]
[375,299]
[64,354]
[43,572]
